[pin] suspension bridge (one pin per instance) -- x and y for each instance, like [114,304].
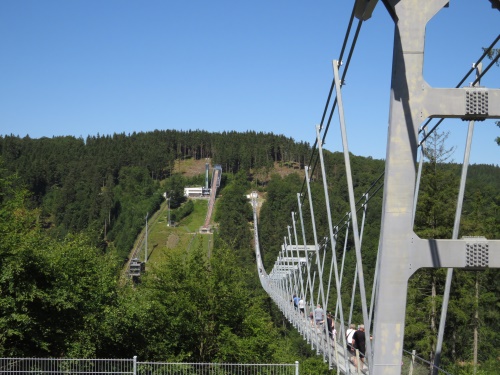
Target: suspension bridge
[416,110]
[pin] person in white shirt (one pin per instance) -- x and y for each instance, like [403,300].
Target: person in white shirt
[348,335]
[302,306]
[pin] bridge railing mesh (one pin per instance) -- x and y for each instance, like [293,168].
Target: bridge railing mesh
[41,366]
[415,365]
[49,366]
[155,368]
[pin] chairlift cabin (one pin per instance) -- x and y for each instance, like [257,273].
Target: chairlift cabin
[135,267]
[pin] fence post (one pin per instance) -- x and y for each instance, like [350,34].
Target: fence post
[358,362]
[336,354]
[411,362]
[135,365]
[296,367]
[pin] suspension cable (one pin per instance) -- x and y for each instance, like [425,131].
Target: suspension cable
[327,104]
[344,74]
[315,156]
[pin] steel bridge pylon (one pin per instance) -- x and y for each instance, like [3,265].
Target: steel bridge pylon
[401,251]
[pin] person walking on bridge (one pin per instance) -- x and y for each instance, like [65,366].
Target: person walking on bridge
[331,327]
[302,306]
[295,302]
[319,315]
[348,335]
[359,342]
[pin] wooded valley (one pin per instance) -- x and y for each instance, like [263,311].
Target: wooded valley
[71,210]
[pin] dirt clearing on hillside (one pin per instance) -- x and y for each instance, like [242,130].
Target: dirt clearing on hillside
[192,167]
[172,241]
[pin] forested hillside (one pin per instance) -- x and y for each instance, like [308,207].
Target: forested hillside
[70,212]
[105,185]
[71,209]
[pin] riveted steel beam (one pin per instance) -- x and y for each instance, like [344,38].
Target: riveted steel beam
[401,251]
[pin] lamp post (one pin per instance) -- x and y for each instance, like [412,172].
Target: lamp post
[165,195]
[146,247]
[168,212]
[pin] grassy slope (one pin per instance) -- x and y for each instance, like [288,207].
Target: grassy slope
[184,235]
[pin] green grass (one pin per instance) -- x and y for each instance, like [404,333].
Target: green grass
[184,236]
[194,221]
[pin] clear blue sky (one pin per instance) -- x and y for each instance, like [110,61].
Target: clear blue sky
[84,67]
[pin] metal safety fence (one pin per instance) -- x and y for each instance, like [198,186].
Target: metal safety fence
[156,368]
[42,366]
[66,366]
[415,365]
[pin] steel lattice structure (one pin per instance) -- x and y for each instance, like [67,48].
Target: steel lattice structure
[299,266]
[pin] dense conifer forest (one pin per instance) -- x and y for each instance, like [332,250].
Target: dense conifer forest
[105,185]
[71,210]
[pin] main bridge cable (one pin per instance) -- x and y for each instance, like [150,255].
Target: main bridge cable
[341,222]
[346,38]
[485,53]
[344,73]
[340,82]
[327,104]
[493,61]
